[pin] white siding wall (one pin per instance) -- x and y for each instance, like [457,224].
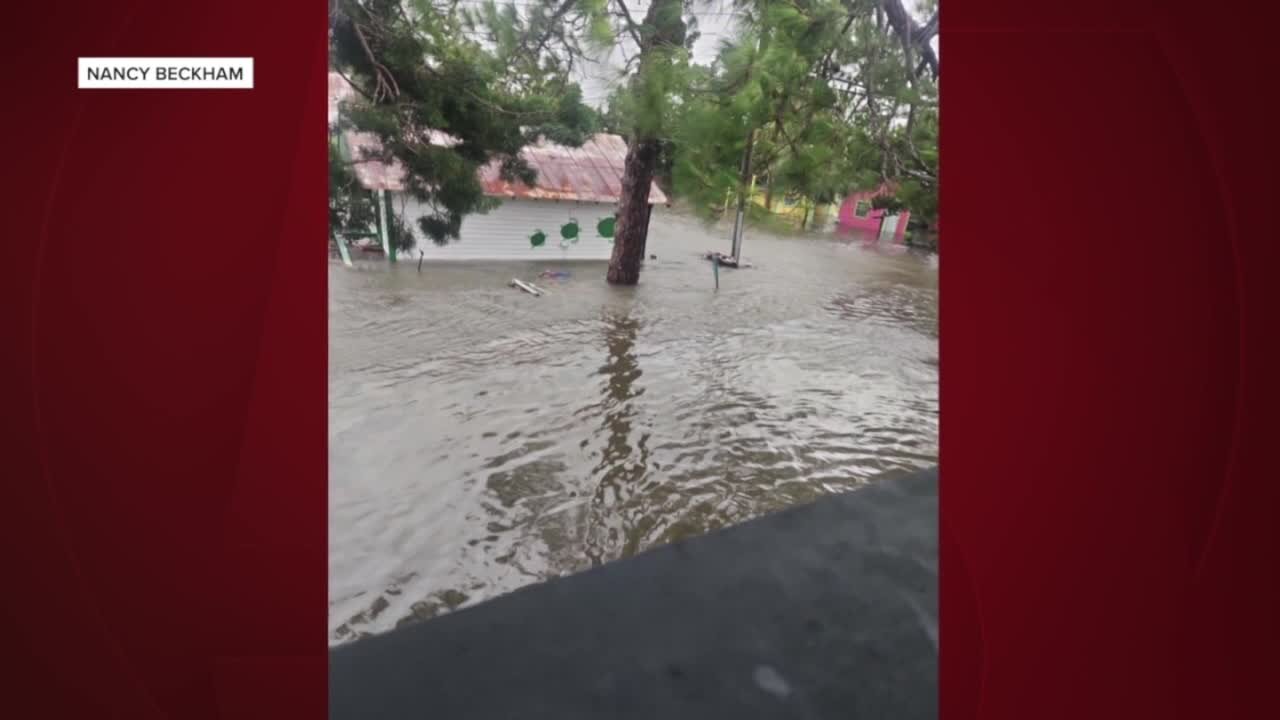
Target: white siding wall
[503,233]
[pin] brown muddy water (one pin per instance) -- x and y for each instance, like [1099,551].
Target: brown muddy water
[481,439]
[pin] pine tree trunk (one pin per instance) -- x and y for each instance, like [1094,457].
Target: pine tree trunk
[633,211]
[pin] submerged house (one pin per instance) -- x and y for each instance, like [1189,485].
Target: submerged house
[856,214]
[568,215]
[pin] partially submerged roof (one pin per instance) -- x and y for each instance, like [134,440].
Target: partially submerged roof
[591,173]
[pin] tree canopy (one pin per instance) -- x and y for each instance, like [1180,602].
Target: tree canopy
[484,78]
[833,96]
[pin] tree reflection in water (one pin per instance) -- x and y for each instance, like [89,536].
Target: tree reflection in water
[619,474]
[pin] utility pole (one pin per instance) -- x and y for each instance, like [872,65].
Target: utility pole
[743,179]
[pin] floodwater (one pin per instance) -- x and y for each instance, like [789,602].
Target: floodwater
[482,439]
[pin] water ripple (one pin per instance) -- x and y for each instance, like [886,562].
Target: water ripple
[481,439]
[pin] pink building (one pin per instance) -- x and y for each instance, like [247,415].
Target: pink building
[856,214]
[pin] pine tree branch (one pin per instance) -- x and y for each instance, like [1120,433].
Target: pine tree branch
[631,26]
[826,59]
[551,24]
[910,33]
[387,86]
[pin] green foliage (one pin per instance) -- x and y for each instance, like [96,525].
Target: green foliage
[832,102]
[824,88]
[352,210]
[892,203]
[422,75]
[398,233]
[650,104]
[709,145]
[765,82]
[642,107]
[921,193]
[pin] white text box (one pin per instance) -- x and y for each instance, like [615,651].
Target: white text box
[166,73]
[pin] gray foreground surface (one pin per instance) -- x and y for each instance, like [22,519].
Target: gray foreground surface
[828,610]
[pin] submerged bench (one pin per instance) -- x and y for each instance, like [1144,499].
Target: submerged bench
[827,610]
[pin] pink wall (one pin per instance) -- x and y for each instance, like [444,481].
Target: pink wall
[870,223]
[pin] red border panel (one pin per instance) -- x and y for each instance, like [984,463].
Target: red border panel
[164,379]
[1108,368]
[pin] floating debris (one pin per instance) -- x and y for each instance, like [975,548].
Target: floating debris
[527,287]
[725,260]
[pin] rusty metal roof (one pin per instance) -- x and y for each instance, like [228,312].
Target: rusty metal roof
[591,173]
